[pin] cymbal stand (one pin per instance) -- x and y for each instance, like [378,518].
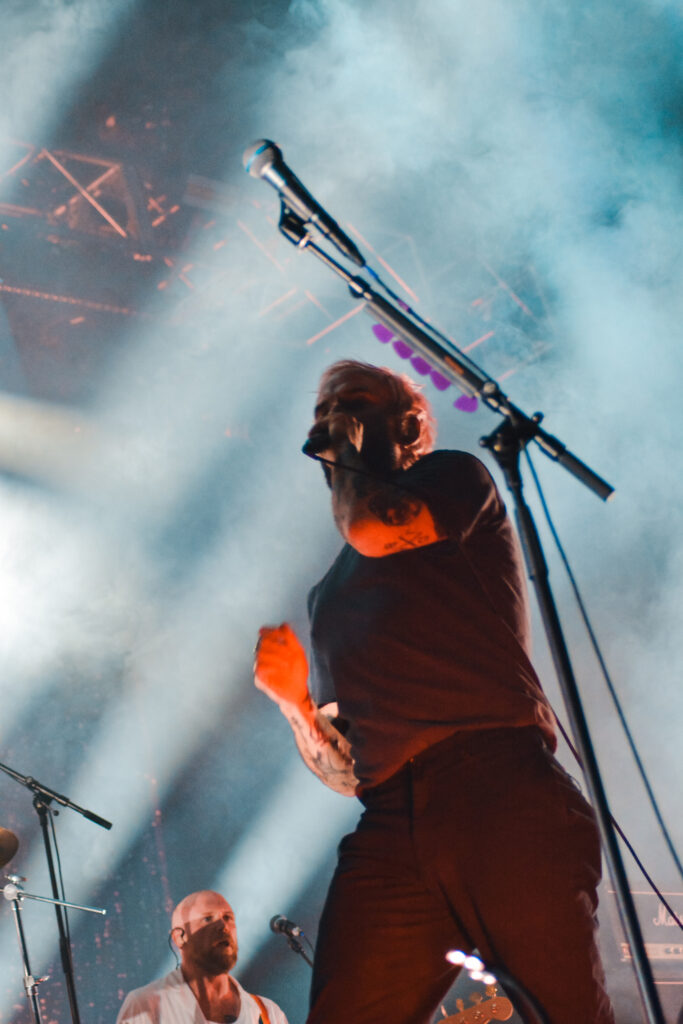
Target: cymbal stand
[43,797]
[14,893]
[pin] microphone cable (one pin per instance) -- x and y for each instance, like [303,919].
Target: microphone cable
[51,814]
[617,705]
[173,948]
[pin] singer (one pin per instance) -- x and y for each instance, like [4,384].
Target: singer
[423,703]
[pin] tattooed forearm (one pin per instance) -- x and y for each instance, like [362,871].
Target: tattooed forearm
[325,751]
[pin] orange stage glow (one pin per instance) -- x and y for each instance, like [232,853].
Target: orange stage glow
[506,287]
[259,245]
[484,337]
[71,300]
[316,302]
[20,163]
[20,211]
[86,195]
[331,327]
[282,298]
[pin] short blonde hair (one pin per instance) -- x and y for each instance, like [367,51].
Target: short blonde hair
[412,411]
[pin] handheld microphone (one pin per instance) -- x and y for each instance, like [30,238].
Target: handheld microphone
[315,444]
[281,926]
[263,159]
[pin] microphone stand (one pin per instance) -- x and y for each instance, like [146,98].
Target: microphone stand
[296,947]
[43,797]
[506,444]
[30,983]
[14,893]
[291,932]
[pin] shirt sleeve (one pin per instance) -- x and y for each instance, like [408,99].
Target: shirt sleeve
[136,1011]
[319,679]
[276,1014]
[458,489]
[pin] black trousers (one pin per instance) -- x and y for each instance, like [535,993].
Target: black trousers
[483,841]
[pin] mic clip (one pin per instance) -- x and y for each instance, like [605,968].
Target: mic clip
[281,926]
[293,227]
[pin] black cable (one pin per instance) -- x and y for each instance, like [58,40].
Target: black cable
[615,699]
[173,949]
[627,842]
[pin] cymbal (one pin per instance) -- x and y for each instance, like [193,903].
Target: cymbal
[9,844]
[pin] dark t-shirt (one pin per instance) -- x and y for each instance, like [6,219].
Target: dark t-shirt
[417,645]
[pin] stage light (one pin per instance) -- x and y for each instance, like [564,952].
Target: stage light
[474,965]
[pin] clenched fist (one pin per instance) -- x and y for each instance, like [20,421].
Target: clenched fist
[280,666]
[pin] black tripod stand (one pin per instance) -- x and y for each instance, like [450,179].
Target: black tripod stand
[43,797]
[14,893]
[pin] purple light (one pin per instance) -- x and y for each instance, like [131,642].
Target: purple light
[403,350]
[382,333]
[420,365]
[439,381]
[466,403]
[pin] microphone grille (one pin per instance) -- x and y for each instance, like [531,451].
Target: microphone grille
[260,155]
[316,443]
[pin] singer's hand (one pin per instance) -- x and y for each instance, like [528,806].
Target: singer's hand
[280,666]
[337,436]
[281,671]
[345,430]
[363,439]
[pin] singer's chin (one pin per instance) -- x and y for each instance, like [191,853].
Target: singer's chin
[220,959]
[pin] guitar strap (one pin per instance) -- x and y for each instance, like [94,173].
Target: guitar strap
[264,1018]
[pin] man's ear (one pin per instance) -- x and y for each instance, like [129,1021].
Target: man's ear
[178,936]
[410,429]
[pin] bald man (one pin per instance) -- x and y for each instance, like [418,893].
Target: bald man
[201,990]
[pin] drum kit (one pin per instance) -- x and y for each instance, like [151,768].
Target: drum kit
[15,894]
